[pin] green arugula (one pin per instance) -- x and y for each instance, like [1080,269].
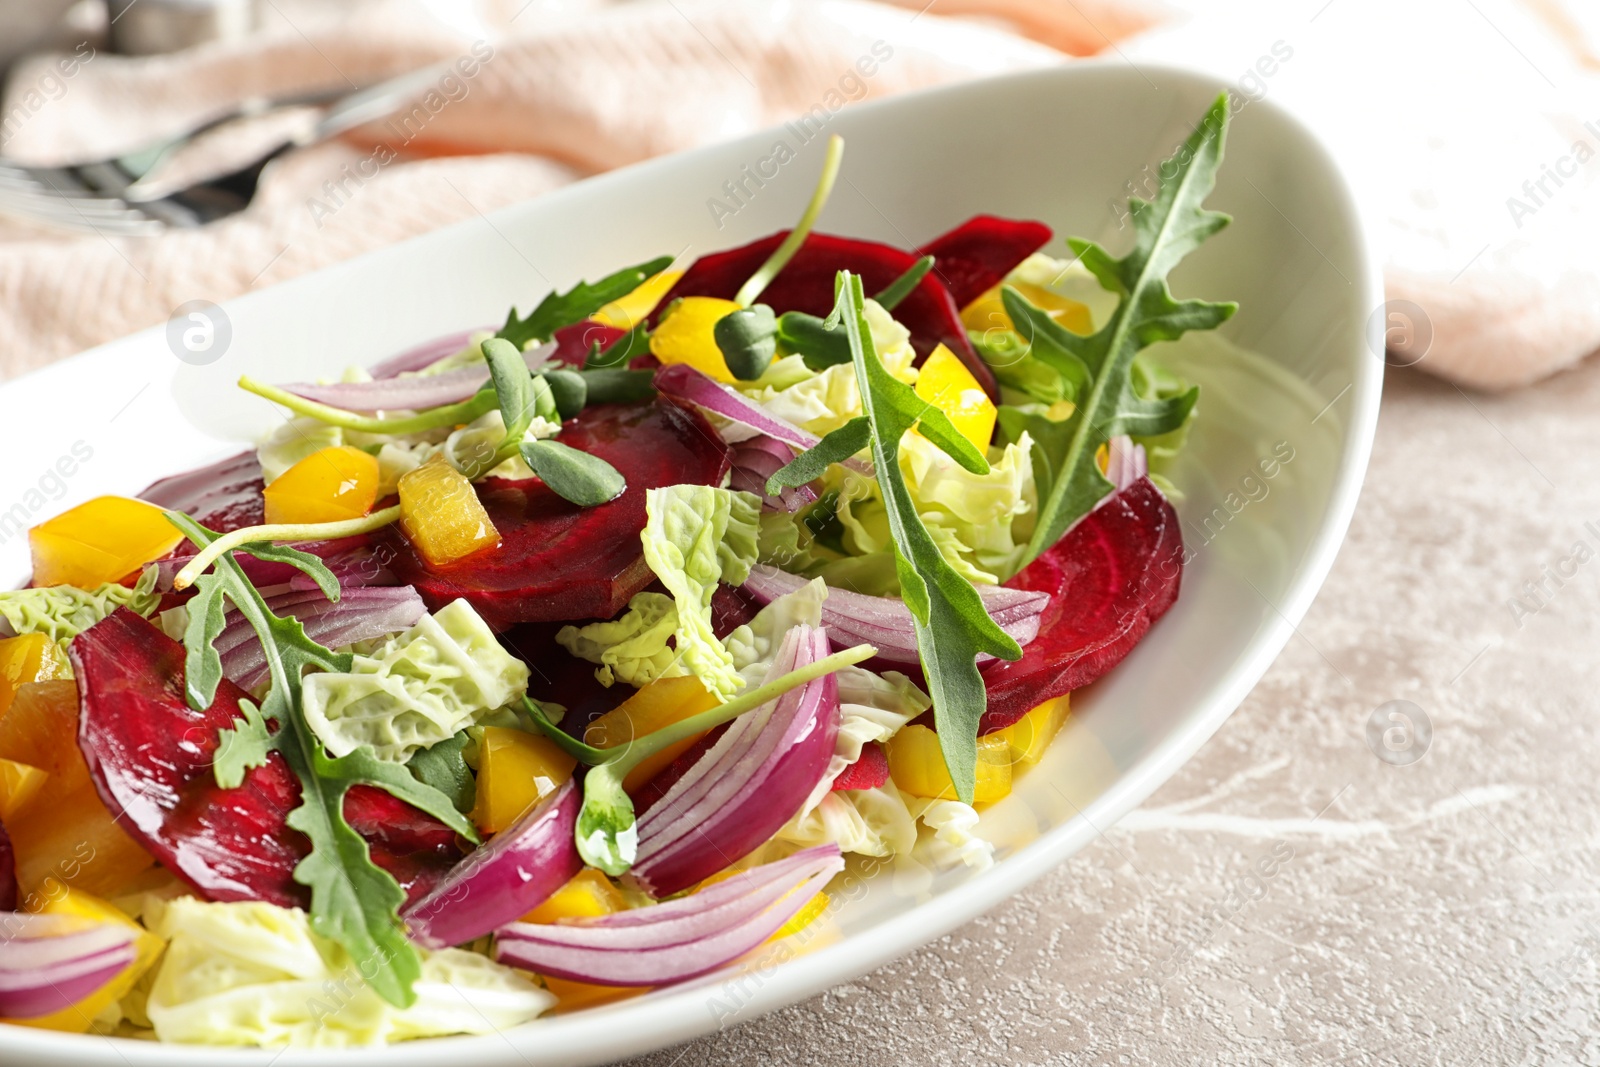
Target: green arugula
[951,623]
[353,901]
[444,767]
[578,303]
[606,834]
[1099,368]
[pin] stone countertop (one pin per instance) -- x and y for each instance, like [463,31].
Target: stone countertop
[1320,904]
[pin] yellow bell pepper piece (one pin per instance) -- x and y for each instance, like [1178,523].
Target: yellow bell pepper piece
[629,311]
[330,485]
[656,706]
[515,771]
[684,336]
[917,766]
[589,895]
[573,996]
[988,312]
[65,833]
[945,382]
[19,783]
[441,514]
[29,658]
[1030,735]
[53,898]
[100,541]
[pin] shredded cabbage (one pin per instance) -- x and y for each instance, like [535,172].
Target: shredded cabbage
[418,688]
[62,612]
[464,448]
[694,537]
[872,708]
[251,973]
[635,647]
[754,645]
[883,822]
[825,401]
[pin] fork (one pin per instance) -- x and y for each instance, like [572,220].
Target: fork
[111,196]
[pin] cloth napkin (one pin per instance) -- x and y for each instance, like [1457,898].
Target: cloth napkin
[1441,115]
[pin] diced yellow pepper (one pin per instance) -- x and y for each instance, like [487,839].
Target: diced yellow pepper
[1030,735]
[572,996]
[441,514]
[804,917]
[589,895]
[330,485]
[945,382]
[56,899]
[28,658]
[657,705]
[19,783]
[685,336]
[629,311]
[515,771]
[917,766]
[100,541]
[988,312]
[65,832]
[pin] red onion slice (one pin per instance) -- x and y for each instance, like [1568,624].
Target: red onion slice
[759,458]
[49,963]
[409,393]
[751,782]
[359,615]
[426,354]
[855,618]
[1126,463]
[678,940]
[505,879]
[684,382]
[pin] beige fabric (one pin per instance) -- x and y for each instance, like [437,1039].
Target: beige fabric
[1470,116]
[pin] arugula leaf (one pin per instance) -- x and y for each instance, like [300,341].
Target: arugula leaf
[245,745]
[353,901]
[835,447]
[901,287]
[443,767]
[578,303]
[1100,366]
[951,622]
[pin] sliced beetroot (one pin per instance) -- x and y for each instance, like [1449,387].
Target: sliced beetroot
[868,772]
[972,258]
[225,496]
[557,560]
[8,873]
[806,284]
[573,343]
[150,756]
[559,677]
[1112,576]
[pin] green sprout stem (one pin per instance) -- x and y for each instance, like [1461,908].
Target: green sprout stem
[310,531]
[781,255]
[624,758]
[432,419]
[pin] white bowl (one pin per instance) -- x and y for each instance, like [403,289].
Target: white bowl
[1060,145]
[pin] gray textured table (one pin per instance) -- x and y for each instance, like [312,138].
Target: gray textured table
[1326,906]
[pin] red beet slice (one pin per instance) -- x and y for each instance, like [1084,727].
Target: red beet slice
[559,561]
[1112,576]
[972,258]
[8,873]
[225,496]
[806,284]
[150,757]
[868,772]
[573,342]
